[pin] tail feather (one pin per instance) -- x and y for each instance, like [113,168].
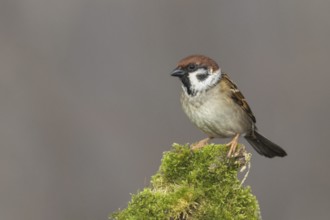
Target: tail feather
[264,146]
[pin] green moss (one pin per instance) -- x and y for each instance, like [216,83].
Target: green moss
[194,185]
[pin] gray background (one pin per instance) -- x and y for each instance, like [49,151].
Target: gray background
[88,104]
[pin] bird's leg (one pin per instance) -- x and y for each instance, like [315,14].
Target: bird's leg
[233,144]
[200,143]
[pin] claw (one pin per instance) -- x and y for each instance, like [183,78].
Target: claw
[233,145]
[201,143]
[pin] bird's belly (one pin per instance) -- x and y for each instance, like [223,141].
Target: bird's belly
[218,119]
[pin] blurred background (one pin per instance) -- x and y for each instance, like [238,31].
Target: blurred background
[88,105]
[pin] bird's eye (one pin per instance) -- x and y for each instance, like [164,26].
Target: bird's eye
[192,67]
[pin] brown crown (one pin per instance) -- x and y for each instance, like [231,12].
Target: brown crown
[200,60]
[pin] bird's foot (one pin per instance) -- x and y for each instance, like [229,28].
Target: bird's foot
[200,144]
[233,145]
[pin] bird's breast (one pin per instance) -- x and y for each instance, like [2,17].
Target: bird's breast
[215,114]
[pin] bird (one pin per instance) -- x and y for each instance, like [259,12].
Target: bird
[213,102]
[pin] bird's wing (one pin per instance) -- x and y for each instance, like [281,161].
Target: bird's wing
[236,95]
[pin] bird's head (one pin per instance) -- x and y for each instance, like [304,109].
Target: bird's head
[197,73]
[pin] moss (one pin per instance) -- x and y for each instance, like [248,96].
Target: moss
[193,185]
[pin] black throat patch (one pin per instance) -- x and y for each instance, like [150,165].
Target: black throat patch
[186,83]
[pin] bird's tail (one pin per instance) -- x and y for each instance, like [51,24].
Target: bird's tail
[264,146]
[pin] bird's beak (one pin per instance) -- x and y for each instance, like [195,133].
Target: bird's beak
[178,72]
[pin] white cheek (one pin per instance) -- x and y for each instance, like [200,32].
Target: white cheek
[198,86]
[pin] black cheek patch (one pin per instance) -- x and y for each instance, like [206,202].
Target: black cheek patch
[202,77]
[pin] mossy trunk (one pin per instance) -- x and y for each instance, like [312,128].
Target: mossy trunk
[195,185]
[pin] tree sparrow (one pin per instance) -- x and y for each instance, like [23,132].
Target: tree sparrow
[216,106]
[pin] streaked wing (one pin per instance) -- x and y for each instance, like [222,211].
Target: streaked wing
[237,96]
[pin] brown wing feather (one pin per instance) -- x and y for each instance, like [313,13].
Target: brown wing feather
[237,96]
